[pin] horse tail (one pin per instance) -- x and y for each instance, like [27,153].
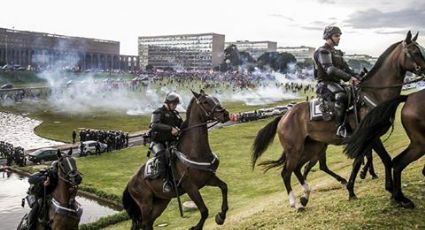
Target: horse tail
[131,206]
[273,163]
[374,125]
[263,139]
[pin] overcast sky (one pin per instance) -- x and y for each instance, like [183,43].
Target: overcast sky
[369,26]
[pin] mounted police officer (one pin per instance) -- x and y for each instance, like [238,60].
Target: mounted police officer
[41,183]
[165,128]
[330,70]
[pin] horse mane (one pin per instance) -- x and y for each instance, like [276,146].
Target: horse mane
[380,61]
[188,110]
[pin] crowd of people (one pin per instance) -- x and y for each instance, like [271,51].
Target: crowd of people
[114,139]
[12,154]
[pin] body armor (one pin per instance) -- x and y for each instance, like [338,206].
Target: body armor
[330,65]
[330,69]
[162,121]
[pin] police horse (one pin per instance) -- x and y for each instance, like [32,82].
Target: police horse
[194,167]
[304,140]
[59,209]
[379,121]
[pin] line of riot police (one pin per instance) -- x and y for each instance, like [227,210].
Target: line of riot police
[114,139]
[12,154]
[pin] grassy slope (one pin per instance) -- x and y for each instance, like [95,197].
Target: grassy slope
[259,201]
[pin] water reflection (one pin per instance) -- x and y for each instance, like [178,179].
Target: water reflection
[13,188]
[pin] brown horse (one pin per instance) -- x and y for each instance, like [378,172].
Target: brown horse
[144,199]
[304,140]
[63,211]
[377,123]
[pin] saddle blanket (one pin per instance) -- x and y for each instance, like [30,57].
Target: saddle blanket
[316,113]
[151,169]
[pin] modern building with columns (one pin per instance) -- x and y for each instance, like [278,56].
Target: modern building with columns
[43,49]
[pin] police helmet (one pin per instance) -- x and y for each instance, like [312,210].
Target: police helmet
[331,30]
[172,98]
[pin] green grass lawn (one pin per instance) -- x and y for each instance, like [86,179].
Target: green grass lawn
[259,201]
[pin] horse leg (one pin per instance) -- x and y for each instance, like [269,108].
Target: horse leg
[195,195]
[324,168]
[350,185]
[288,168]
[386,160]
[308,168]
[365,169]
[217,182]
[158,207]
[371,168]
[306,188]
[400,162]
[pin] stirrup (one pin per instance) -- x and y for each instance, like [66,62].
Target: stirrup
[342,131]
[166,187]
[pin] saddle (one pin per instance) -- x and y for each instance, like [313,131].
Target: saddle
[323,109]
[153,165]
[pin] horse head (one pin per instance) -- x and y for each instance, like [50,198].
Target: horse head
[211,107]
[414,55]
[66,169]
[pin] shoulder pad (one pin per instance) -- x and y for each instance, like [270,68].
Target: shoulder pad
[323,50]
[159,110]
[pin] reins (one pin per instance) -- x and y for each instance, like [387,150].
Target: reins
[199,125]
[393,86]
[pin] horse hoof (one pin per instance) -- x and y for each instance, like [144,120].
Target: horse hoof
[362,175]
[405,203]
[301,209]
[343,181]
[303,201]
[374,177]
[353,197]
[218,219]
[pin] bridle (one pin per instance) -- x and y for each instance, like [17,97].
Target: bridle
[417,67]
[70,176]
[216,108]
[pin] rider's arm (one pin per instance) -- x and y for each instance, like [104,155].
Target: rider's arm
[156,124]
[325,60]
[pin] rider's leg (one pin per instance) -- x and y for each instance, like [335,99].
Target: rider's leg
[340,110]
[159,150]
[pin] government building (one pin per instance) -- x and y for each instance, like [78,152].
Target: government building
[35,49]
[193,52]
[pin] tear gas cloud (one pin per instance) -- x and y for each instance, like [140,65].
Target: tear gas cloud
[84,93]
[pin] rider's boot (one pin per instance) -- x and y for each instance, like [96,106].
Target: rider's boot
[340,120]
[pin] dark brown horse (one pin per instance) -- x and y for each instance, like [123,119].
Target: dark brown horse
[144,199]
[63,211]
[380,119]
[304,140]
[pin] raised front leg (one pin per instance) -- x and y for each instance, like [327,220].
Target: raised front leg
[217,182]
